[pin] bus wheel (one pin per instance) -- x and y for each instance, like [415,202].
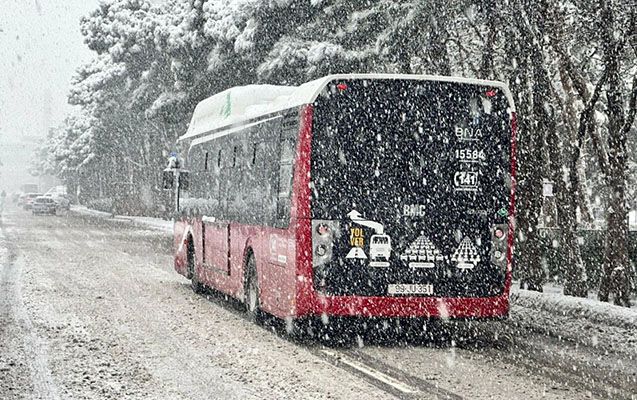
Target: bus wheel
[251,290]
[197,286]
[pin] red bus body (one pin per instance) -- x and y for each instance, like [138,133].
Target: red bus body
[284,258]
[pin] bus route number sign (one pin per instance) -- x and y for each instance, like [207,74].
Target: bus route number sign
[466,181]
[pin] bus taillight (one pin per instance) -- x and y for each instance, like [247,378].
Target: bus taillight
[499,245]
[323,229]
[321,250]
[323,235]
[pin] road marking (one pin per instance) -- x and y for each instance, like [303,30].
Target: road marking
[375,374]
[36,350]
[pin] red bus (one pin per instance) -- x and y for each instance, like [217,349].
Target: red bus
[352,195]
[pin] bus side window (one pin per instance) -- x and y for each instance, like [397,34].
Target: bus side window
[225,157]
[198,187]
[286,172]
[212,179]
[260,157]
[252,190]
[267,160]
[235,208]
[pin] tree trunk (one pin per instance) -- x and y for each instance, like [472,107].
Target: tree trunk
[572,269]
[528,267]
[616,265]
[533,158]
[531,135]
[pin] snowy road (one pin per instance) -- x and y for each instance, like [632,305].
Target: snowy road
[91,309]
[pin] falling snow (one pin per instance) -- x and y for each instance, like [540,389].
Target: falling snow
[377,199]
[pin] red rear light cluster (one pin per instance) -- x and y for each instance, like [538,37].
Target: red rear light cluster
[323,229]
[499,245]
[341,87]
[323,235]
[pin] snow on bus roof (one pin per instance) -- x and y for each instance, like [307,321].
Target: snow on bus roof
[239,104]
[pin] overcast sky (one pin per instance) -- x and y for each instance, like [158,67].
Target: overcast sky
[40,48]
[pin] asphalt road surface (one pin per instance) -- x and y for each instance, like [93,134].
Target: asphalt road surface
[92,309]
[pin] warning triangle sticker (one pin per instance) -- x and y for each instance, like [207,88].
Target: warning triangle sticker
[356,252]
[466,255]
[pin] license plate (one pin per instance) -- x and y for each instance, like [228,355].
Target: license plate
[410,288]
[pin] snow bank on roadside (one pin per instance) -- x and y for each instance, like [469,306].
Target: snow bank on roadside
[148,222]
[592,310]
[87,211]
[155,223]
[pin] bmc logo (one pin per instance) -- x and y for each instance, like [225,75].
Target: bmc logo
[414,210]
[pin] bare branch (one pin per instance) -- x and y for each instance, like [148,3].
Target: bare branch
[564,59]
[474,26]
[632,108]
[586,125]
[464,51]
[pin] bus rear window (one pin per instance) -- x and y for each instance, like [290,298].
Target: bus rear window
[390,147]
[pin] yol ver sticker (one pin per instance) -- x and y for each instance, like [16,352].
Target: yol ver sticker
[379,244]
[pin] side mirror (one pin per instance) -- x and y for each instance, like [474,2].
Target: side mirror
[168,180]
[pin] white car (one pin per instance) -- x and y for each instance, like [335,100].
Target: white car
[61,201]
[43,205]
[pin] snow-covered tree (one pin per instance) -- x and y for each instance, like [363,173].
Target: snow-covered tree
[569,63]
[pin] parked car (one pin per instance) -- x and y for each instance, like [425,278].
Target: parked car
[21,198]
[62,200]
[44,205]
[28,200]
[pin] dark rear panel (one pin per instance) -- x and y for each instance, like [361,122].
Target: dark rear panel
[423,165]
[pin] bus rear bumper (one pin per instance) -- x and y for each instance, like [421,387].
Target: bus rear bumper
[429,307]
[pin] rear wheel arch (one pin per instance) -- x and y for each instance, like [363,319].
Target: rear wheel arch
[249,264]
[251,290]
[190,256]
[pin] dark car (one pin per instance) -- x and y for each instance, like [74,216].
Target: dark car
[44,205]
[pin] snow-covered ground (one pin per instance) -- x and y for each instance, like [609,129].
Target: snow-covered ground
[90,308]
[551,300]
[149,222]
[589,309]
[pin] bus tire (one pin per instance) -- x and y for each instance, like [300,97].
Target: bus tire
[251,290]
[195,284]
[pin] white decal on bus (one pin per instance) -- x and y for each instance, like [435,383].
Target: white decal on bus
[356,252]
[468,134]
[466,181]
[466,255]
[422,253]
[414,210]
[379,248]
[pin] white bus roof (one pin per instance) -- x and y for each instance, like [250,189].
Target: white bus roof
[236,105]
